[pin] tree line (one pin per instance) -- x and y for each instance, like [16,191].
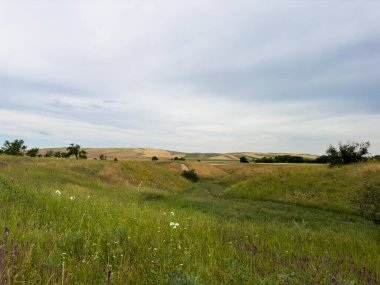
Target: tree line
[335,155]
[18,148]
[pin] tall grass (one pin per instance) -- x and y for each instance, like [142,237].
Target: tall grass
[100,228]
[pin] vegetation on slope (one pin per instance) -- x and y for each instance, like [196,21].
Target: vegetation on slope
[92,222]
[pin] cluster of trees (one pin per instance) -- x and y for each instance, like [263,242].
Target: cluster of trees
[342,154]
[18,148]
[348,153]
[178,158]
[291,159]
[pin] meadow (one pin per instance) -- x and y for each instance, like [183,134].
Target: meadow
[67,221]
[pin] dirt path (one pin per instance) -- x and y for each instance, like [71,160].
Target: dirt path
[184,167]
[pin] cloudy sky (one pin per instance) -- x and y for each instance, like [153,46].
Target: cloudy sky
[211,76]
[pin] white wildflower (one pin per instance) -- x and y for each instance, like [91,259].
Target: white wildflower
[58,192]
[72,197]
[172,213]
[174,225]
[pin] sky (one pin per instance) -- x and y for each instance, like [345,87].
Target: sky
[193,76]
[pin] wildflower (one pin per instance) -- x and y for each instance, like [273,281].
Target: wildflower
[172,213]
[72,197]
[58,192]
[174,225]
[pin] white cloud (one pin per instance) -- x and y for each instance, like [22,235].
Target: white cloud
[205,76]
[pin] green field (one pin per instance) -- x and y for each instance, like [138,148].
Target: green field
[139,222]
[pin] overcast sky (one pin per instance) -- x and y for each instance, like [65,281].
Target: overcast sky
[209,76]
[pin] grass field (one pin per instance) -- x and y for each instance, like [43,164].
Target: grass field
[140,222]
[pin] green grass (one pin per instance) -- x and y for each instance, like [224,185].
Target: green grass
[230,231]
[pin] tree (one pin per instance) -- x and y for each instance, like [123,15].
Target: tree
[32,152]
[154,158]
[103,157]
[16,147]
[347,153]
[243,159]
[73,149]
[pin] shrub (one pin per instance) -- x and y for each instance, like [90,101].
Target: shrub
[82,154]
[32,152]
[60,154]
[243,159]
[368,202]
[190,175]
[49,153]
[347,153]
[154,158]
[115,159]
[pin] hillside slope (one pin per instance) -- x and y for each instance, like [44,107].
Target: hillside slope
[139,222]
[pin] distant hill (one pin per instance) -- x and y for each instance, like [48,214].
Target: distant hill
[147,153]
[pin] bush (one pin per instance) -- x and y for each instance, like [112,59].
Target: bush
[190,175]
[49,153]
[368,202]
[32,152]
[243,159]
[154,158]
[115,159]
[347,153]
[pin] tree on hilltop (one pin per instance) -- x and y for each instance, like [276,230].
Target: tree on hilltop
[74,149]
[16,147]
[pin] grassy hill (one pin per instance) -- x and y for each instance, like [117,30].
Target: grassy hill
[140,222]
[147,153]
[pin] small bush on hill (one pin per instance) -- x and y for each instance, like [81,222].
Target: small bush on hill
[243,159]
[82,154]
[154,158]
[60,154]
[49,153]
[368,202]
[190,175]
[32,152]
